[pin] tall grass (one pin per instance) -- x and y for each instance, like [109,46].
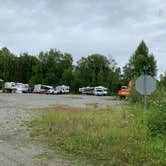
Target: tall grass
[157,110]
[103,137]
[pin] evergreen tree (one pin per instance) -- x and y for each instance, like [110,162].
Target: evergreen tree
[138,61]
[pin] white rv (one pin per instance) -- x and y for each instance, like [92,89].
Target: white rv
[87,90]
[105,91]
[63,89]
[81,90]
[41,88]
[22,88]
[10,87]
[100,91]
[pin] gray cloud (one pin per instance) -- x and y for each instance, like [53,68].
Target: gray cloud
[83,27]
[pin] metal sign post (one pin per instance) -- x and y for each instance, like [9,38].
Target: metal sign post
[145,97]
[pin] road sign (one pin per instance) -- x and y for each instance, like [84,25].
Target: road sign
[145,85]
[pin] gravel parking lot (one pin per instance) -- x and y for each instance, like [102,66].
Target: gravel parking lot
[16,147]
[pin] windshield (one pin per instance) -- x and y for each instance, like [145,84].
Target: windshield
[99,90]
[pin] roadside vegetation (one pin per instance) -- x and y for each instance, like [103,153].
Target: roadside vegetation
[156,109]
[101,137]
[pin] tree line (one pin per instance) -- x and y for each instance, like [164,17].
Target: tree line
[55,68]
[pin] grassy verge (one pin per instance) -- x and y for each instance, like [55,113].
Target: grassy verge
[103,137]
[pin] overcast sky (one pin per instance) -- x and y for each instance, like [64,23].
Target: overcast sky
[83,27]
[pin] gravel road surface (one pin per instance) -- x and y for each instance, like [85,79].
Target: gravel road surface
[16,147]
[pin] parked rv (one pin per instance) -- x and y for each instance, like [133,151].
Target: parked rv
[63,89]
[41,88]
[88,90]
[10,87]
[51,92]
[22,88]
[98,91]
[81,90]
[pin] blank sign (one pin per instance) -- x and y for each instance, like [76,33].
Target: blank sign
[145,85]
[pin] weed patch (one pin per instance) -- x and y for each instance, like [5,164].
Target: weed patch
[102,137]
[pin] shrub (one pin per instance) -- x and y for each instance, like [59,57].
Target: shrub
[135,97]
[157,115]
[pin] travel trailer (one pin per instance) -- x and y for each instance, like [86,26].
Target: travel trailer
[63,89]
[22,88]
[41,88]
[98,91]
[88,90]
[12,87]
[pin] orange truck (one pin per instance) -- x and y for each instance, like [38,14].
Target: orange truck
[125,90]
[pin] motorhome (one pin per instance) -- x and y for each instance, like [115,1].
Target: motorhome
[10,87]
[100,91]
[41,88]
[63,89]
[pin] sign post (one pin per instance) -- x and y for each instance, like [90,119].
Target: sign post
[145,85]
[145,97]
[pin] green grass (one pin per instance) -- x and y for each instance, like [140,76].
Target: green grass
[103,138]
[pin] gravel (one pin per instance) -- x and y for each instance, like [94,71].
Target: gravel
[16,147]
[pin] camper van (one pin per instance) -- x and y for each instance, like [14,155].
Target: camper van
[41,88]
[63,89]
